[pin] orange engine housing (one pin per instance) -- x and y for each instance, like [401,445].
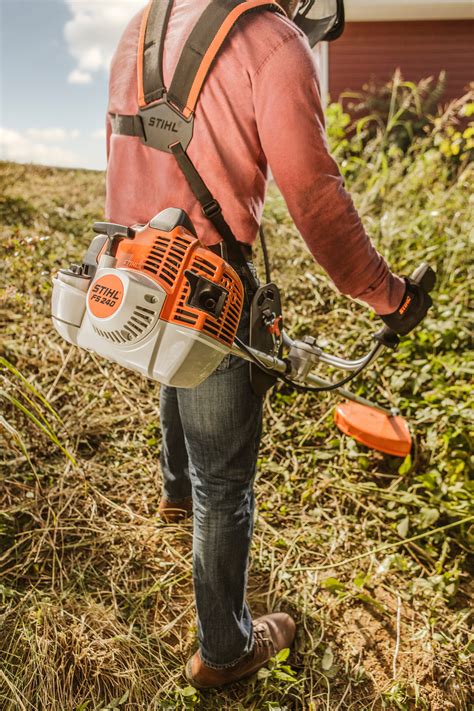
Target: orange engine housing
[164,257]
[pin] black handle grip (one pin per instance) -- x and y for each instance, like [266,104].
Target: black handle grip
[423,275]
[110,229]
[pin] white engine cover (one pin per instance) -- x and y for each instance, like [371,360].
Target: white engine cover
[118,317]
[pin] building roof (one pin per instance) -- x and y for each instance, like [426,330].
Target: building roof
[383,10]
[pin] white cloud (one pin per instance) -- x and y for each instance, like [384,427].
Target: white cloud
[22,148]
[93,32]
[79,77]
[54,135]
[99,135]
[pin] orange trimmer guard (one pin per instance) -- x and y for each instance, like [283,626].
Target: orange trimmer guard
[373,428]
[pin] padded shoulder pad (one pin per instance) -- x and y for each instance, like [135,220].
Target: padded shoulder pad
[172,217]
[198,54]
[204,43]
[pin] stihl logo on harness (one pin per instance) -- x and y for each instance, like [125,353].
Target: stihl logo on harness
[163,125]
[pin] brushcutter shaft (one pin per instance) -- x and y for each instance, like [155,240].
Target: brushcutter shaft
[270,362]
[315,380]
[280,366]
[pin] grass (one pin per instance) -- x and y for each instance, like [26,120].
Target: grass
[97,605]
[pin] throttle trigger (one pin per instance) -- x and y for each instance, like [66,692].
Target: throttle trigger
[274,327]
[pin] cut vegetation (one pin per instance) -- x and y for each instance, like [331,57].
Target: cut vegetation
[369,553]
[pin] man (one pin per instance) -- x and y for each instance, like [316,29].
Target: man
[260,109]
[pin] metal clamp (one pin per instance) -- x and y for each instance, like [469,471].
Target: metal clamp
[303,356]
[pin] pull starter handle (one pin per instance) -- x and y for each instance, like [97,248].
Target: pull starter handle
[115,234]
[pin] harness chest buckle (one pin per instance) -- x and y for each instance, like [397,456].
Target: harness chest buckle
[211,209]
[163,126]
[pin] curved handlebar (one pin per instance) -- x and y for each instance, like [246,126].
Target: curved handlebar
[305,354]
[327,358]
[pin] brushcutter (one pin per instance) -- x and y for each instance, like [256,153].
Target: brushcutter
[154,300]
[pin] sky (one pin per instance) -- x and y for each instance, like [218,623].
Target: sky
[54,58]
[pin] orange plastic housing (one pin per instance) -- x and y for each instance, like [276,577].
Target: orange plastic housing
[165,256]
[373,428]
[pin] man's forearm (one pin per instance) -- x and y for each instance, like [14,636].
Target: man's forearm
[290,121]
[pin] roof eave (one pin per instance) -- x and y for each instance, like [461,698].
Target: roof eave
[391,10]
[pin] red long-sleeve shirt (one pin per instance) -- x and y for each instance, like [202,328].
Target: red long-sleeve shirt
[260,110]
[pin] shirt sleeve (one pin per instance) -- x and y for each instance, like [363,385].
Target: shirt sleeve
[290,123]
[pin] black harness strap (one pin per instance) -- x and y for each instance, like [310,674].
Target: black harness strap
[212,210]
[198,43]
[204,34]
[125,125]
[153,84]
[195,61]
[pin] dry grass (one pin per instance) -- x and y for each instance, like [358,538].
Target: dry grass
[97,606]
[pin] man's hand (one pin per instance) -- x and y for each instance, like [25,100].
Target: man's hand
[413,308]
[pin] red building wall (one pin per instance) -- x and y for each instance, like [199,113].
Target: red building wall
[419,48]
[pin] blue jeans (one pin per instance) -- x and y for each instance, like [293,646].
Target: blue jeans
[211,436]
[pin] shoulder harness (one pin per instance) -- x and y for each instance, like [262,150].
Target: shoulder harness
[165,118]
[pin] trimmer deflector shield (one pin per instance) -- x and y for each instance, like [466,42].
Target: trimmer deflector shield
[373,428]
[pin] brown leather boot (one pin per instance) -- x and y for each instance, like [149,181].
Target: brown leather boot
[175,511]
[271,634]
